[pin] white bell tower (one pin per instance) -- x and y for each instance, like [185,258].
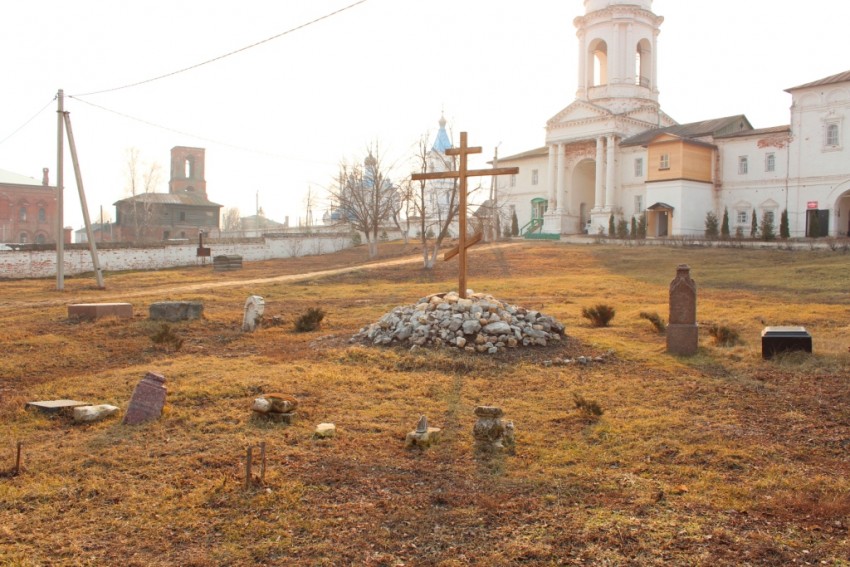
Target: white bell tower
[618,56]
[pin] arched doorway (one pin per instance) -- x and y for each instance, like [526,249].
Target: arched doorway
[583,184]
[842,211]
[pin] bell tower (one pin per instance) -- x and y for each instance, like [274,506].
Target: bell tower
[618,54]
[187,171]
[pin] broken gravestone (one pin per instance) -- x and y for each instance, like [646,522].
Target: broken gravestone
[255,305]
[176,310]
[89,414]
[147,401]
[491,433]
[276,407]
[682,331]
[423,436]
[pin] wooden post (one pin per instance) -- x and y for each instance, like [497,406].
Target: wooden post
[60,232]
[461,175]
[79,176]
[18,459]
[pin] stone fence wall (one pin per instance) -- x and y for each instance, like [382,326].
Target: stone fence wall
[42,263]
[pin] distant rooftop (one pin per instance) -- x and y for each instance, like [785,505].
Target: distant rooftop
[715,127]
[831,80]
[11,178]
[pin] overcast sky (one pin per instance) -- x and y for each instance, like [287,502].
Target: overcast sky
[276,119]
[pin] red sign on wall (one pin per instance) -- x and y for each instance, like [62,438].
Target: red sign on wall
[812,205]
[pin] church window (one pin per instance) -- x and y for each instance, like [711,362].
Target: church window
[182,215]
[22,214]
[664,162]
[743,165]
[534,177]
[742,217]
[639,167]
[638,204]
[832,134]
[42,215]
[770,162]
[768,217]
[23,238]
[40,238]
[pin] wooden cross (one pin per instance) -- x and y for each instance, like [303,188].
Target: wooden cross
[461,174]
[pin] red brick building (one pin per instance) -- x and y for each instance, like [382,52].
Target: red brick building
[27,209]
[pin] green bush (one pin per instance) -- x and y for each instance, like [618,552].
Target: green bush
[724,225]
[623,229]
[310,321]
[712,226]
[600,315]
[656,321]
[724,336]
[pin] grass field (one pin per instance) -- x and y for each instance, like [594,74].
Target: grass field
[717,459]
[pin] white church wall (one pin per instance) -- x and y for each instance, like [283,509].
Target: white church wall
[691,200]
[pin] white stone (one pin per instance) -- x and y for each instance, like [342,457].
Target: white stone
[253,315]
[261,405]
[325,430]
[88,414]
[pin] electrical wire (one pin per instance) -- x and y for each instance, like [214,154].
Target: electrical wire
[195,136]
[22,126]
[220,57]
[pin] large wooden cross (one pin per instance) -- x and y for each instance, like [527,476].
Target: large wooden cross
[461,175]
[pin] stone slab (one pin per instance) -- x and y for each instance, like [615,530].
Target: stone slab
[55,406]
[147,401]
[91,311]
[176,310]
[776,340]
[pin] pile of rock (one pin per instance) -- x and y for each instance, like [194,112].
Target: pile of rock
[275,407]
[478,323]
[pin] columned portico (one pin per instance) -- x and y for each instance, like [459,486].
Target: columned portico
[560,206]
[599,201]
[552,185]
[610,174]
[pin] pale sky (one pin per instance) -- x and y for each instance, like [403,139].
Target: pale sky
[278,118]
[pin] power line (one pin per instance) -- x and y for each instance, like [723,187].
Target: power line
[22,126]
[196,136]
[220,57]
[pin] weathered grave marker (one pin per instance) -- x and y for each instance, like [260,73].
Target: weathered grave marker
[255,305]
[423,436]
[176,310]
[249,463]
[56,406]
[682,331]
[91,311]
[147,401]
[491,433]
[461,175]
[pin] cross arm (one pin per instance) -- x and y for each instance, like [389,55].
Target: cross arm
[469,173]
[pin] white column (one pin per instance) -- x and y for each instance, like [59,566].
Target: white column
[654,85]
[550,181]
[610,174]
[600,173]
[560,187]
[630,54]
[615,59]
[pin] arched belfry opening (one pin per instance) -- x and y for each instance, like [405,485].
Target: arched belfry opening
[598,55]
[643,64]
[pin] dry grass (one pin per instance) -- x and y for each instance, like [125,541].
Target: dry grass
[721,458]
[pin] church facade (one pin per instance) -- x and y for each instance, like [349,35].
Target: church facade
[613,151]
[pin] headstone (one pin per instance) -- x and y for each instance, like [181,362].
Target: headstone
[88,414]
[682,331]
[776,340]
[275,407]
[91,311]
[423,436]
[492,434]
[227,262]
[255,305]
[325,430]
[55,406]
[147,401]
[176,310]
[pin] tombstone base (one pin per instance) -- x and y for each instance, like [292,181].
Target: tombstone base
[277,417]
[422,439]
[682,340]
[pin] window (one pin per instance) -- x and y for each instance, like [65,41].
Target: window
[768,216]
[22,214]
[513,180]
[639,167]
[664,162]
[742,217]
[40,239]
[534,177]
[638,204]
[770,162]
[182,215]
[832,134]
[743,165]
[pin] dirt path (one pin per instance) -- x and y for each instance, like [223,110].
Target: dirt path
[122,296]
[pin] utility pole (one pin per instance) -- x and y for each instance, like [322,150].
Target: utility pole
[60,229]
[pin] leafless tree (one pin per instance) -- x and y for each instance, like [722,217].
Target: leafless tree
[365,196]
[231,220]
[436,204]
[142,179]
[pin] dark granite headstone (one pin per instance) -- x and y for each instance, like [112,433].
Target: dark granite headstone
[776,340]
[147,401]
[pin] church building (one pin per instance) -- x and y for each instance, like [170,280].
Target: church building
[613,151]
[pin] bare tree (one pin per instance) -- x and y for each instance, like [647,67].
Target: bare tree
[403,202]
[231,220]
[365,196]
[142,179]
[436,203]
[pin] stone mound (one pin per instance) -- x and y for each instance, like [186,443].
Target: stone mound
[478,323]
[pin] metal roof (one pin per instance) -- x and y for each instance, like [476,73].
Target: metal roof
[786,128]
[11,178]
[715,127]
[537,152]
[189,199]
[831,80]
